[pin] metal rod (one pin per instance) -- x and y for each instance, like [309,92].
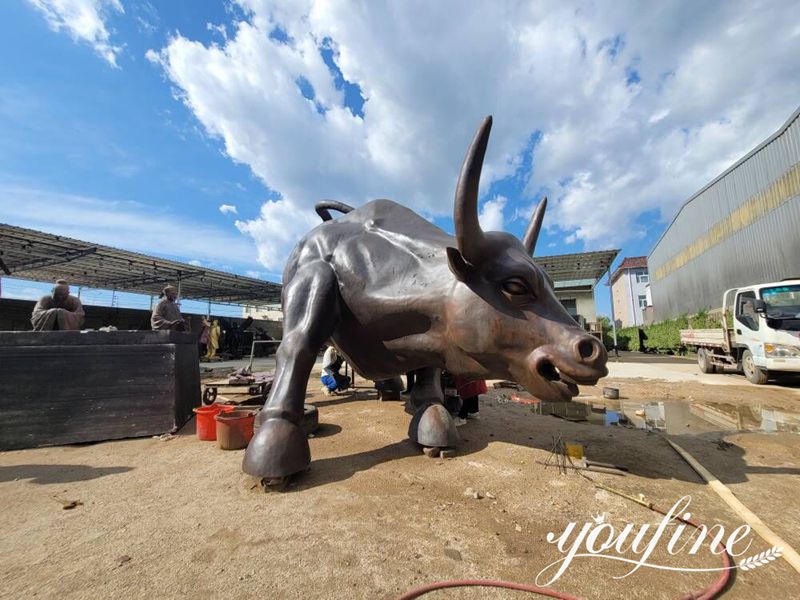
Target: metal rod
[252,349]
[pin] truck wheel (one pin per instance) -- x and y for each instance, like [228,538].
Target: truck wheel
[704,361]
[753,373]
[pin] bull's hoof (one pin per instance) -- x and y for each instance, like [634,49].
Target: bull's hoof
[433,426]
[278,449]
[275,485]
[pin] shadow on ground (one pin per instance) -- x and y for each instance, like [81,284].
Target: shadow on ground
[646,454]
[44,474]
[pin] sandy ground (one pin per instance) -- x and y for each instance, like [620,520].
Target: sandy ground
[374,517]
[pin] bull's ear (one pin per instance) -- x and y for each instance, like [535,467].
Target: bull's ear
[457,264]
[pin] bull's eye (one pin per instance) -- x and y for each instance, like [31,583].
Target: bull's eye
[515,287]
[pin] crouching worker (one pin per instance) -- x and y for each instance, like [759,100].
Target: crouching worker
[332,380]
[58,312]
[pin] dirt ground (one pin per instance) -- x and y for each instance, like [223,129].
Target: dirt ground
[374,517]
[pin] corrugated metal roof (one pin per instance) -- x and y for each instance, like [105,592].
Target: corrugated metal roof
[582,265]
[39,256]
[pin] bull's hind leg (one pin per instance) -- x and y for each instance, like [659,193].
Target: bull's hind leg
[311,312]
[431,426]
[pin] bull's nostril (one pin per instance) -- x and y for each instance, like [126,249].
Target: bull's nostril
[586,349]
[548,371]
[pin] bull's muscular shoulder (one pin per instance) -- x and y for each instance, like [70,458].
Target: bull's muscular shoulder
[383,239]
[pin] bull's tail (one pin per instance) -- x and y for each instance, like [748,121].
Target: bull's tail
[323,206]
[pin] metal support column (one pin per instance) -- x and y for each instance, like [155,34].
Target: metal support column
[613,318]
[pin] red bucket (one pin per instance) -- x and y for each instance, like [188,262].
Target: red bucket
[235,429]
[206,426]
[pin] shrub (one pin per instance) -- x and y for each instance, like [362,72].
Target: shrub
[664,336]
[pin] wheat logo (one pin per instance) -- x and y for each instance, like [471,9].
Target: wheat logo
[598,538]
[759,560]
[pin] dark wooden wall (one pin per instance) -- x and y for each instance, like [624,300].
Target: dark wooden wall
[64,387]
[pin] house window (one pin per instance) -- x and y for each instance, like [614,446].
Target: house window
[642,301]
[642,277]
[570,304]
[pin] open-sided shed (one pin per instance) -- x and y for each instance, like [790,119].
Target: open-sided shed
[575,276]
[39,256]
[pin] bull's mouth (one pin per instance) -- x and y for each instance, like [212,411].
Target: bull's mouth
[550,373]
[550,383]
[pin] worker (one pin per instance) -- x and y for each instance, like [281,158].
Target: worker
[58,312]
[203,339]
[332,380]
[166,314]
[469,390]
[642,339]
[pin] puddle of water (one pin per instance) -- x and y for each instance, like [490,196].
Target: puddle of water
[674,417]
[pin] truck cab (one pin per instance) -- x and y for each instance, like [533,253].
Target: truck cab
[766,328]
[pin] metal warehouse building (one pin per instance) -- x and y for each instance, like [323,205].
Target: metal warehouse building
[742,228]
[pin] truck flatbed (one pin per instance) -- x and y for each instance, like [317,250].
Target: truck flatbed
[709,338]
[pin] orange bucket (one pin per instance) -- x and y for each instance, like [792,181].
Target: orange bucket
[206,426]
[234,429]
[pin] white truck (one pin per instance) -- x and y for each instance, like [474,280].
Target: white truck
[765,337]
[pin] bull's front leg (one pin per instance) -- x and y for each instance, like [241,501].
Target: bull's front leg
[279,447]
[432,425]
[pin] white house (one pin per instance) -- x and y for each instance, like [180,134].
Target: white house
[629,285]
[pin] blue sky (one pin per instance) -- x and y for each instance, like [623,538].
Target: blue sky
[131,123]
[74,125]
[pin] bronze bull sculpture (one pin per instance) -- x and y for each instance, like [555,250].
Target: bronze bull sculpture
[395,293]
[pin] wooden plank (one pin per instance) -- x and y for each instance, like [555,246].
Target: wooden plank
[789,554]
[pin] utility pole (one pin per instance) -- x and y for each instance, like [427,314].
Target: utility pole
[613,318]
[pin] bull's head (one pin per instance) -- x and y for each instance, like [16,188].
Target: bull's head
[504,315]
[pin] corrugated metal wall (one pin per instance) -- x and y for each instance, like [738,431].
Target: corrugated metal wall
[741,229]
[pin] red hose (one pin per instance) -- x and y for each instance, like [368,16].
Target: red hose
[707,593]
[440,585]
[711,591]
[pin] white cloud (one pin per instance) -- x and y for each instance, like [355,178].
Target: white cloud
[125,225]
[227,209]
[84,21]
[636,109]
[277,228]
[491,214]
[146,17]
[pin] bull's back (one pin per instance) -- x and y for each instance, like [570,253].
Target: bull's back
[372,246]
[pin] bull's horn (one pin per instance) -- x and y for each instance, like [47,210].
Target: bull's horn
[532,233]
[465,212]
